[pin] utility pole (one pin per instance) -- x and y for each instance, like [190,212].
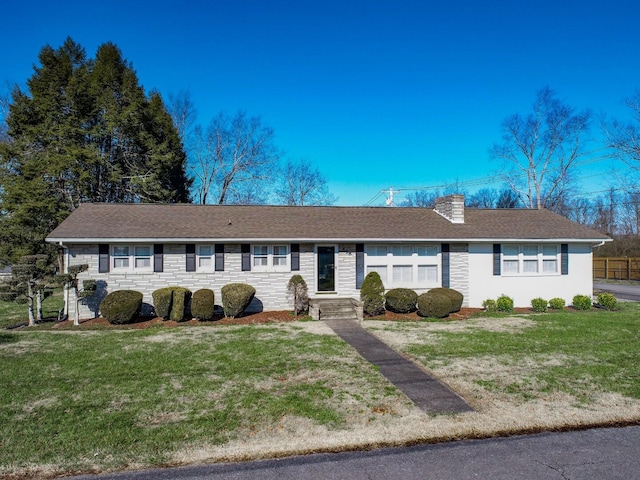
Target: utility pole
[390,192]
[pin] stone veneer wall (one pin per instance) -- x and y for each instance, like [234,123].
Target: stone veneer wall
[271,287]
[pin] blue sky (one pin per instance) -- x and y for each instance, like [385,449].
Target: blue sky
[374,93]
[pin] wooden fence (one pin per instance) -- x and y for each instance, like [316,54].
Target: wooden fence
[610,268]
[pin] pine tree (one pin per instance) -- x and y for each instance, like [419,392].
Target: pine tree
[84,132]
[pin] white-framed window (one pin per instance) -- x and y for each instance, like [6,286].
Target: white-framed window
[381,270]
[205,257]
[530,259]
[270,257]
[404,265]
[132,258]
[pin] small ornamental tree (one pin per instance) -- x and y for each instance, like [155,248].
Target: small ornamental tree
[70,280]
[298,290]
[29,277]
[372,294]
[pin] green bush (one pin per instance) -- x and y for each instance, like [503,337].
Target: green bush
[607,300]
[434,304]
[236,297]
[582,302]
[162,299]
[121,306]
[401,300]
[539,305]
[299,291]
[180,299]
[455,296]
[489,305]
[556,303]
[203,304]
[372,294]
[504,304]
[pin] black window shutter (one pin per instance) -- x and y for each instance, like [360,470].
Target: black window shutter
[245,249]
[497,250]
[295,257]
[219,249]
[158,257]
[446,265]
[564,258]
[359,264]
[103,258]
[191,257]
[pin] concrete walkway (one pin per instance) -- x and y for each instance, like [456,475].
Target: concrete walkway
[423,390]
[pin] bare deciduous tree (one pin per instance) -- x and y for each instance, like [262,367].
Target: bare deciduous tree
[540,150]
[302,184]
[233,155]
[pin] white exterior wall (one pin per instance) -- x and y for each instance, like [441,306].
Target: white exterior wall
[524,288]
[271,287]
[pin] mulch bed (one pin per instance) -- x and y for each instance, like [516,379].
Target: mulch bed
[261,317]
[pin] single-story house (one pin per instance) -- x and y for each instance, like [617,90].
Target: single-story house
[483,253]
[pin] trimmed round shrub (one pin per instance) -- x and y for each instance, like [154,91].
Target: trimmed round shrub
[162,299]
[489,305]
[401,300]
[121,306]
[434,304]
[180,299]
[504,304]
[203,304]
[607,300]
[236,297]
[539,305]
[556,303]
[455,296]
[372,294]
[582,302]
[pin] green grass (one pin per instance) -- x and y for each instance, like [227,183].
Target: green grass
[110,398]
[573,352]
[12,313]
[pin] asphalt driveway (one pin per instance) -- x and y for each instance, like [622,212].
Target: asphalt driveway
[621,291]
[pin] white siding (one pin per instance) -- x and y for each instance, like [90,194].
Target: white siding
[523,288]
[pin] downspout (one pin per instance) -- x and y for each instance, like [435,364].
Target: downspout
[65,292]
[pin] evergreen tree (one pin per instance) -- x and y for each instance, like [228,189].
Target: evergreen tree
[84,132]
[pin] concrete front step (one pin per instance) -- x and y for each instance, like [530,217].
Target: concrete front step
[335,308]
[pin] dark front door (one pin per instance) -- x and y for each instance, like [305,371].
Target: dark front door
[326,269]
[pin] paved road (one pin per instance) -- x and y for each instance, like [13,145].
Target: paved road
[610,453]
[624,292]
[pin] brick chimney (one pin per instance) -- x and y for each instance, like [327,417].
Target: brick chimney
[451,207]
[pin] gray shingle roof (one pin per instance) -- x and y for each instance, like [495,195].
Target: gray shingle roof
[175,222]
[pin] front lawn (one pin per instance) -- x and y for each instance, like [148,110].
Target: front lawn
[97,400]
[12,313]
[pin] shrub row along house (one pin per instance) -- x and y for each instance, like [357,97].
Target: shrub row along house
[482,253]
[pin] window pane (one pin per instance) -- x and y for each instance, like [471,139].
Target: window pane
[121,262]
[380,269]
[402,250]
[259,261]
[427,273]
[204,262]
[260,250]
[279,250]
[530,266]
[377,250]
[120,251]
[143,251]
[510,266]
[530,250]
[142,262]
[549,250]
[205,250]
[550,266]
[510,250]
[427,251]
[280,261]
[402,274]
